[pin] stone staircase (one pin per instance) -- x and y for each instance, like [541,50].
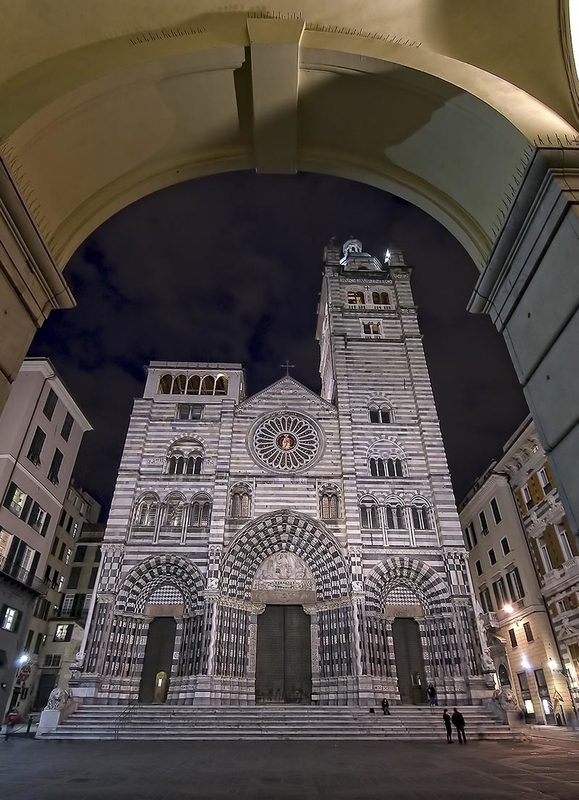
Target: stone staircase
[148,722]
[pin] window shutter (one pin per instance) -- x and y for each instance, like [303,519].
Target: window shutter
[45,524]
[26,508]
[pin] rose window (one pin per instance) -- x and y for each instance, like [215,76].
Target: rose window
[286,442]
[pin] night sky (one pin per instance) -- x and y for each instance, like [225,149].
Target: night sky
[228,268]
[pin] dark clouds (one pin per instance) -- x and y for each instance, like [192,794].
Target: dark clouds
[228,268]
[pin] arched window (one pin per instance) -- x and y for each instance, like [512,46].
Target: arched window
[329,505]
[421,518]
[200,513]
[174,509]
[207,384]
[193,384]
[369,514]
[179,384]
[165,384]
[240,502]
[504,678]
[356,299]
[380,414]
[147,510]
[194,464]
[221,384]
[176,464]
[394,468]
[381,298]
[395,517]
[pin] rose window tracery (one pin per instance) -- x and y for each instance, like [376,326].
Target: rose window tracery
[286,441]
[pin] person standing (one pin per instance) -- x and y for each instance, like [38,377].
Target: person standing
[458,722]
[431,693]
[385,707]
[447,725]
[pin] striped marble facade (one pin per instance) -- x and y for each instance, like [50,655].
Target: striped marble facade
[160,557]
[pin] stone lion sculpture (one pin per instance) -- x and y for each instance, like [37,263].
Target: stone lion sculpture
[58,699]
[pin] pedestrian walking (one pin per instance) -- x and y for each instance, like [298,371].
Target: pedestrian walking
[385,707]
[431,693]
[458,722]
[447,725]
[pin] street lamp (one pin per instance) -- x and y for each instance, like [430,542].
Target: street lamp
[508,609]
[23,659]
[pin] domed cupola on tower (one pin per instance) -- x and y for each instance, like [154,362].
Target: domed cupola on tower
[356,260]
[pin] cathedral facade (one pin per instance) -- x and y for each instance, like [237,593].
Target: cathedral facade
[289,547]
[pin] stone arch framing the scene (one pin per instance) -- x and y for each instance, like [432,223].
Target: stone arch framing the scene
[410,572]
[158,570]
[285,530]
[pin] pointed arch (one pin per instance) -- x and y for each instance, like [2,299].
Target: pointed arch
[159,570]
[416,575]
[295,533]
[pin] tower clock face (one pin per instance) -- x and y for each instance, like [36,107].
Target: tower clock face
[285,441]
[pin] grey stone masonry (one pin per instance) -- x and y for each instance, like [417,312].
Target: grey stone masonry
[340,503]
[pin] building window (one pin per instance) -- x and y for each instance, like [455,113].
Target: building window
[68,555]
[80,553]
[329,505]
[38,519]
[189,411]
[421,518]
[10,618]
[179,465]
[386,468]
[478,567]
[380,415]
[513,637]
[381,298]
[174,509]
[66,427]
[372,328]
[544,479]
[492,557]
[546,558]
[52,660]
[496,511]
[17,501]
[63,633]
[484,528]
[515,585]
[395,517]
[500,593]
[40,639]
[62,518]
[369,516]
[55,466]
[36,446]
[356,298]
[147,509]
[201,513]
[486,602]
[527,497]
[194,384]
[50,404]
[92,578]
[74,577]
[505,546]
[568,553]
[528,632]
[470,530]
[240,504]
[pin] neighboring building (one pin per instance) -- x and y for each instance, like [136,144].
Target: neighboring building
[55,641]
[509,520]
[290,547]
[41,428]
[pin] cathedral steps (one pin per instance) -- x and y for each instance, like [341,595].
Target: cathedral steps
[225,723]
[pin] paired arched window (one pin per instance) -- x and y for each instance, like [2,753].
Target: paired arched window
[193,384]
[356,299]
[369,514]
[147,510]
[381,298]
[200,515]
[174,511]
[179,465]
[329,506]
[421,517]
[380,414]
[395,520]
[240,502]
[386,468]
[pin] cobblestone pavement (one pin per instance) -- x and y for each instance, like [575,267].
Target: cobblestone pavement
[34,770]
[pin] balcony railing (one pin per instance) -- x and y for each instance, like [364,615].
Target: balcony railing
[570,569]
[23,576]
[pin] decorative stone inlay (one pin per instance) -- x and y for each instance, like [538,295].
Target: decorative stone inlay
[285,441]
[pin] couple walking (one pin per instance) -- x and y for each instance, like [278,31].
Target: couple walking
[458,721]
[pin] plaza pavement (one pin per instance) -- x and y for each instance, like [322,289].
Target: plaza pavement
[537,770]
